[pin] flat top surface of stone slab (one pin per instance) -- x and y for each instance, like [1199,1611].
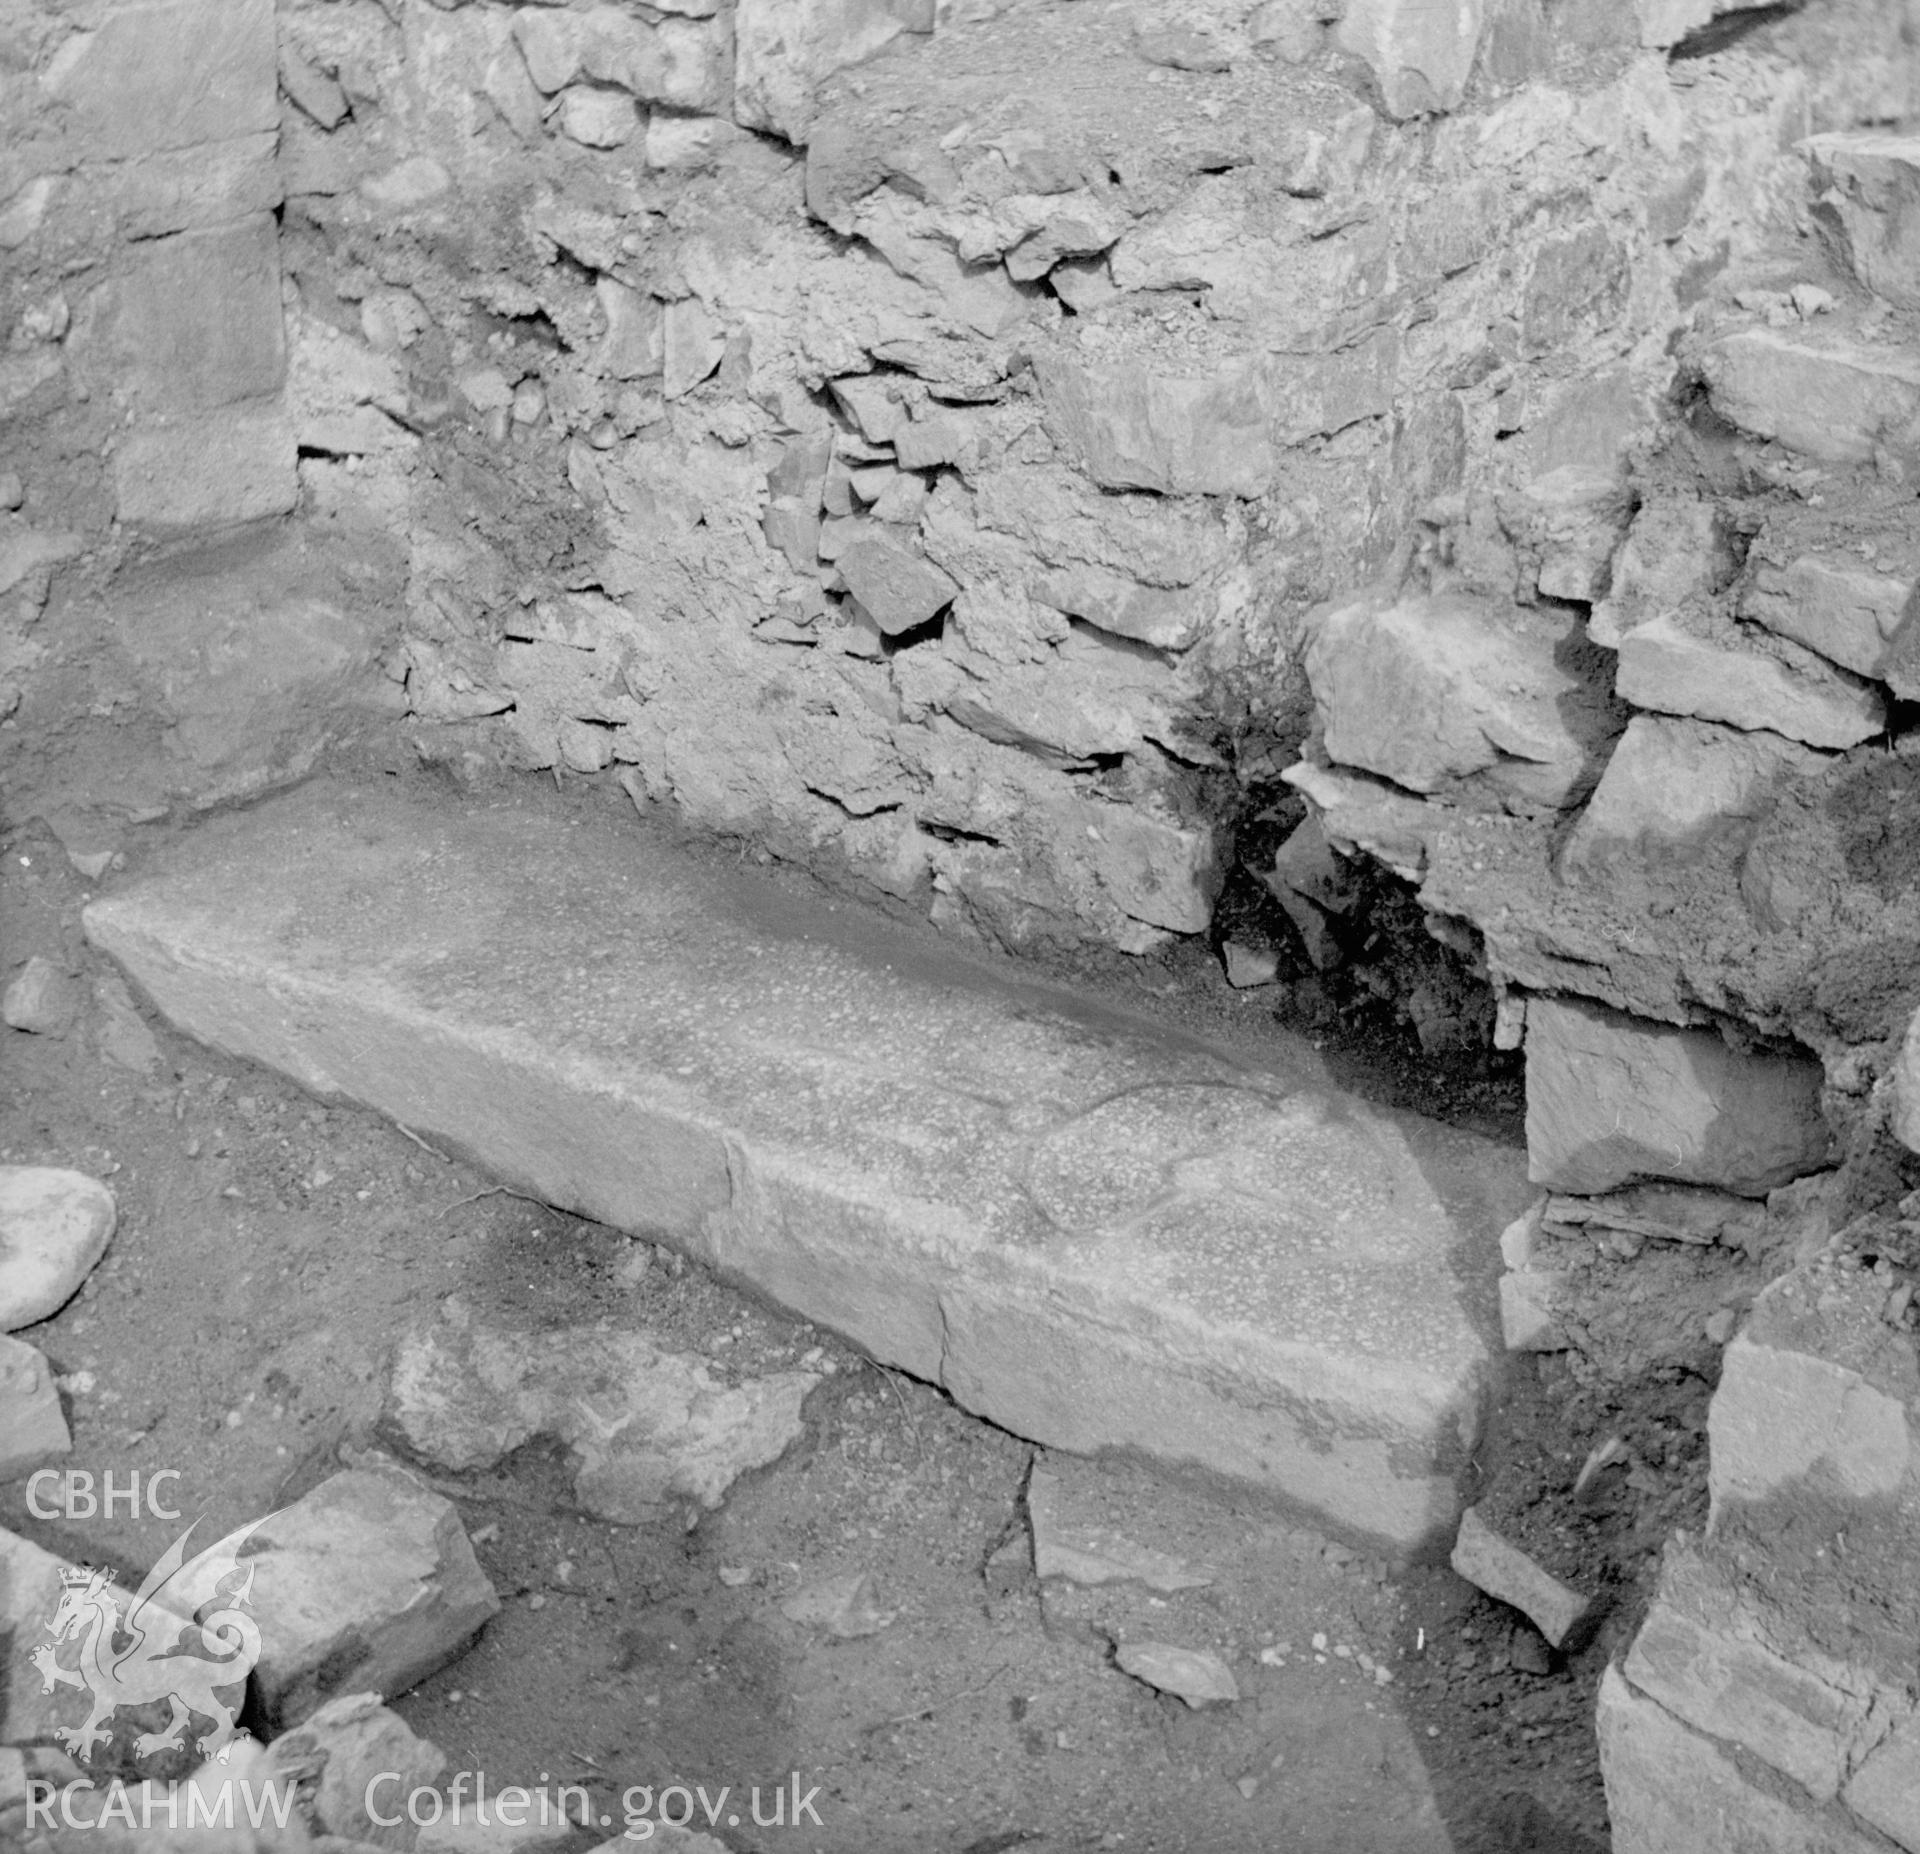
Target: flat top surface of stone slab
[711,1052]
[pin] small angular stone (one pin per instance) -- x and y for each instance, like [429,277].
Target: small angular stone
[1067,1544]
[1663,667]
[32,1428]
[845,1607]
[41,999]
[121,1031]
[1675,787]
[1249,966]
[647,1427]
[899,590]
[1190,1674]
[54,1226]
[354,1754]
[366,1584]
[1507,1574]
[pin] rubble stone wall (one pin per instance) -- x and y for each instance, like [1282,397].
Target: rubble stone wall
[910,436]
[142,385]
[987,448]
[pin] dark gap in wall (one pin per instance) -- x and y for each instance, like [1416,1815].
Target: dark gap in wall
[1731,28]
[931,632]
[954,833]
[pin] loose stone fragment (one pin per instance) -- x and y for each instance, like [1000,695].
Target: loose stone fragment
[368,1583]
[32,1428]
[647,1427]
[899,590]
[1506,1573]
[843,1606]
[1249,966]
[54,1226]
[1190,1674]
[352,1754]
[41,999]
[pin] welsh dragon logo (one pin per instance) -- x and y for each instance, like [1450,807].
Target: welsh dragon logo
[163,1649]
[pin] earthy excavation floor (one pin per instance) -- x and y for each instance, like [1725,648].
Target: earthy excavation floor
[272,1246]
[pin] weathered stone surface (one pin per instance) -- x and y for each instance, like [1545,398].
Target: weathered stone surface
[232,465]
[54,1226]
[1669,1787]
[1845,611]
[351,1752]
[1834,400]
[1568,526]
[846,1607]
[1871,185]
[1885,1790]
[1162,873]
[1710,1672]
[1673,788]
[1167,619]
[1903,1117]
[598,118]
[1431,691]
[1665,23]
[32,1428]
[648,1427]
[1313,884]
[1782,1416]
[692,344]
[1507,1574]
[898,590]
[367,1584]
[1249,967]
[1360,813]
[1199,1678]
[675,62]
[1086,1234]
[1129,428]
[1421,54]
[1530,1318]
[1611,1098]
[196,321]
[1667,669]
[1071,1539]
[1673,556]
[171,74]
[783,49]
[40,999]
[633,348]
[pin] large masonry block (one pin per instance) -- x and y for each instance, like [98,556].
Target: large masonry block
[1089,1233]
[199,322]
[1611,1098]
[172,74]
